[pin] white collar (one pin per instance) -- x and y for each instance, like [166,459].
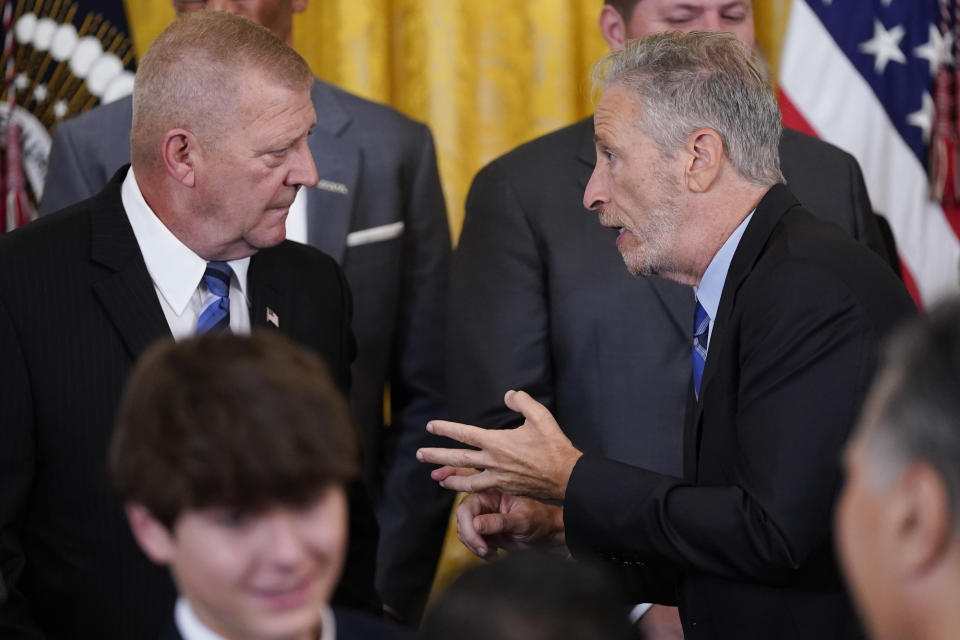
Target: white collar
[174,268]
[191,628]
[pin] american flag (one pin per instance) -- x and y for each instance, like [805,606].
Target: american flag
[864,74]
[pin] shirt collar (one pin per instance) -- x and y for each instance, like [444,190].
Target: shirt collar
[711,284]
[191,628]
[174,268]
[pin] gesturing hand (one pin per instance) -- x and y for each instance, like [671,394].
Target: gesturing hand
[491,520]
[533,460]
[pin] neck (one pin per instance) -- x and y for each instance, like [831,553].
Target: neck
[716,215]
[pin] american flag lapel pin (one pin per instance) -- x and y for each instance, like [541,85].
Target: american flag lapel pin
[273,318]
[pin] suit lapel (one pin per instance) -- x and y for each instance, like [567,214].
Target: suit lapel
[770,209]
[126,293]
[331,203]
[267,294]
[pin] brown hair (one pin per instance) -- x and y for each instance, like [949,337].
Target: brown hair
[230,421]
[192,74]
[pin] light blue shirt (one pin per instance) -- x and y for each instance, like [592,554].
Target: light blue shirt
[711,284]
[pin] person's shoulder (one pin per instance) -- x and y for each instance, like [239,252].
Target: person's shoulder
[295,256]
[801,146]
[365,112]
[353,625]
[553,156]
[806,253]
[69,226]
[105,116]
[561,144]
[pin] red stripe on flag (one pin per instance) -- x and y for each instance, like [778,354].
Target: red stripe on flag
[910,284]
[792,117]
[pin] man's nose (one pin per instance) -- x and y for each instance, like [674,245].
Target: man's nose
[594,196]
[304,169]
[710,21]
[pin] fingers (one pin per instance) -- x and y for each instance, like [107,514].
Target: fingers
[473,483]
[452,457]
[471,507]
[465,433]
[523,403]
[445,472]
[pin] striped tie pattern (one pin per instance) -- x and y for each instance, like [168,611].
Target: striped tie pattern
[701,330]
[216,317]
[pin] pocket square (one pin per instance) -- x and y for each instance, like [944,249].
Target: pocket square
[374,234]
[330,185]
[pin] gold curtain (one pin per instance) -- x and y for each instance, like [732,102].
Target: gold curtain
[486,75]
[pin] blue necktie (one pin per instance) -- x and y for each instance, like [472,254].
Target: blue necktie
[216,317]
[701,330]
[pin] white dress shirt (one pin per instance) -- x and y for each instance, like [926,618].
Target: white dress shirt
[177,272]
[191,628]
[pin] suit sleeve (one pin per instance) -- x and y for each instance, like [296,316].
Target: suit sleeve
[16,466]
[804,362]
[498,308]
[68,173]
[415,509]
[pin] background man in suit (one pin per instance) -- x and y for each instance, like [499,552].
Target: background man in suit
[540,301]
[222,111]
[898,519]
[378,210]
[789,313]
[255,536]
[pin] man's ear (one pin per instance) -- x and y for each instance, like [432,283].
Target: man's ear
[152,536]
[299,6]
[919,520]
[704,159]
[179,150]
[612,27]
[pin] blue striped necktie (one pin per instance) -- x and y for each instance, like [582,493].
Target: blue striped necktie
[701,331]
[216,317]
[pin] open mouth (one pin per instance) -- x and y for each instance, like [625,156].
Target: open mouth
[622,235]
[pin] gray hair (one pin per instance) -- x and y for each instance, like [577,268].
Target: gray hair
[686,81]
[919,416]
[192,74]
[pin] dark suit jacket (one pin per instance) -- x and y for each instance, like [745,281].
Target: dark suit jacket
[748,527]
[376,168]
[77,307]
[541,301]
[350,626]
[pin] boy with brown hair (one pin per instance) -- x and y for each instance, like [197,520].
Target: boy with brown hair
[232,454]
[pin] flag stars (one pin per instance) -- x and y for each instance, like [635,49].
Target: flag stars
[924,117]
[60,109]
[936,51]
[884,46]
